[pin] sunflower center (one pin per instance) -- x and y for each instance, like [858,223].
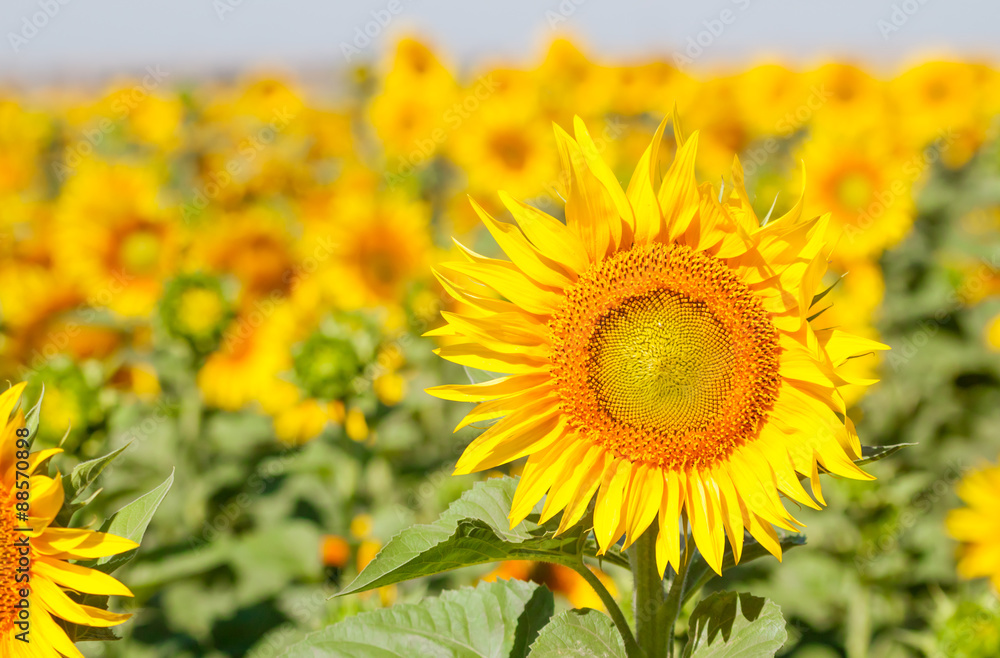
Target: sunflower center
[9,556]
[665,356]
[661,360]
[512,149]
[140,252]
[855,190]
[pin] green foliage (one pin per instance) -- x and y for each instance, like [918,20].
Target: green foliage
[473,531]
[730,625]
[494,620]
[583,633]
[131,522]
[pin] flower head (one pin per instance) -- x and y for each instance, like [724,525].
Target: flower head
[658,353]
[49,550]
[977,525]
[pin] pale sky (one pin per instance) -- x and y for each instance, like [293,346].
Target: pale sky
[51,41]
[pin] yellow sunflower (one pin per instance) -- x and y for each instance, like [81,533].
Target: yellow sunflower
[117,247]
[48,552]
[658,354]
[865,185]
[377,248]
[977,526]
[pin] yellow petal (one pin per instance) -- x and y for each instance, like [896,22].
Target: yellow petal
[520,251]
[75,577]
[642,196]
[668,541]
[548,233]
[516,436]
[79,544]
[608,516]
[494,388]
[56,602]
[589,207]
[600,169]
[510,282]
[584,491]
[475,355]
[678,195]
[645,497]
[45,627]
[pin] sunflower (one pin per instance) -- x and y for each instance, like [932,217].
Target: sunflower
[253,244]
[378,248]
[556,577]
[844,97]
[865,186]
[977,525]
[49,551]
[772,98]
[937,96]
[501,148]
[117,247]
[658,354]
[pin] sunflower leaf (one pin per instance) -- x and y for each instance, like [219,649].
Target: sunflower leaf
[730,624]
[31,418]
[499,619]
[585,633]
[131,522]
[84,474]
[473,530]
[871,454]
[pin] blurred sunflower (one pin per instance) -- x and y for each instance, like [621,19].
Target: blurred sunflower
[504,150]
[557,578]
[22,139]
[254,244]
[865,186]
[659,356]
[843,98]
[249,357]
[118,246]
[570,82]
[194,309]
[49,550]
[771,98]
[409,112]
[380,247]
[723,131]
[977,525]
[650,87]
[936,97]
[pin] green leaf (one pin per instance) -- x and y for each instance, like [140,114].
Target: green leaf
[473,530]
[700,573]
[31,418]
[583,633]
[495,620]
[733,625]
[81,477]
[131,522]
[871,454]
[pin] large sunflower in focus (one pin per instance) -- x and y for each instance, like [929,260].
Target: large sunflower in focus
[49,551]
[658,354]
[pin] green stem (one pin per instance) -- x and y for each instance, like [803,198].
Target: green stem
[648,582]
[666,616]
[631,648]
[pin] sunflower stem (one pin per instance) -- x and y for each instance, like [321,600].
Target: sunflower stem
[666,616]
[632,649]
[648,583]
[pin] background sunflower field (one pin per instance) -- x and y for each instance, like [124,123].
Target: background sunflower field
[231,277]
